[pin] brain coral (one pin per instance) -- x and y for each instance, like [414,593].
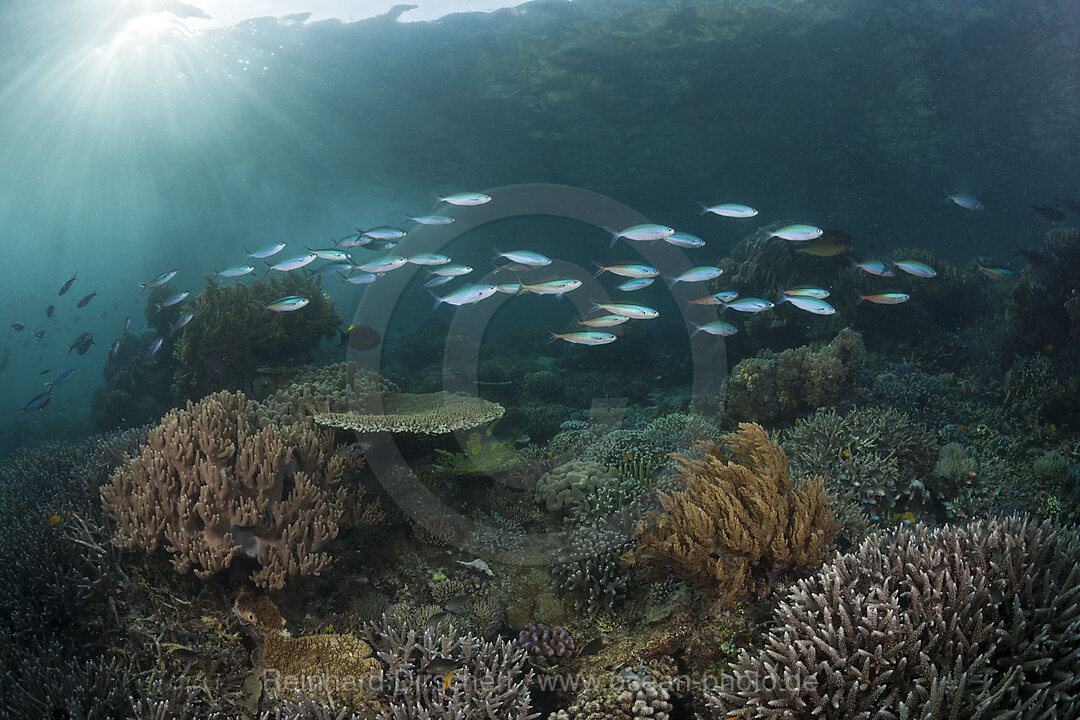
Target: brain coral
[569,486]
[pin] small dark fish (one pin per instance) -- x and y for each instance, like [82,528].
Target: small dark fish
[39,334]
[443,665]
[49,311]
[1072,206]
[46,371]
[82,343]
[828,244]
[38,402]
[18,326]
[67,286]
[127,325]
[1033,257]
[457,602]
[995,595]
[113,349]
[86,300]
[1050,213]
[592,647]
[359,337]
[438,618]
[615,666]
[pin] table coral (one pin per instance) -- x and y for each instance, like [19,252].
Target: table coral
[416,414]
[736,514]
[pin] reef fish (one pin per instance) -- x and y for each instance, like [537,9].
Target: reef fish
[430,219]
[997,273]
[913,267]
[383,232]
[38,402]
[17,326]
[809,304]
[154,347]
[632,285]
[359,337]
[49,311]
[265,252]
[1050,212]
[806,291]
[288,303]
[684,240]
[466,296]
[114,349]
[67,285]
[635,312]
[733,210]
[647,232]
[698,274]
[159,280]
[178,297]
[38,334]
[235,271]
[796,232]
[86,300]
[524,257]
[584,337]
[383,264]
[181,322]
[630,271]
[82,343]
[551,287]
[604,321]
[428,259]
[724,296]
[294,263]
[830,244]
[968,202]
[509,288]
[63,377]
[360,278]
[874,267]
[464,198]
[718,327]
[127,325]
[332,254]
[747,305]
[451,270]
[889,298]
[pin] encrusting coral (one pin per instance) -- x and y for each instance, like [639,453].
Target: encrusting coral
[733,515]
[217,482]
[570,485]
[978,620]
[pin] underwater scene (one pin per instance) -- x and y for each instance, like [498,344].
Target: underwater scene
[568,359]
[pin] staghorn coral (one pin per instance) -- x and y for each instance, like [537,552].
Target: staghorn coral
[212,487]
[416,414]
[594,574]
[569,486]
[925,623]
[489,681]
[878,457]
[782,386]
[736,514]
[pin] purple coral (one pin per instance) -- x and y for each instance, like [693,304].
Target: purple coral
[546,645]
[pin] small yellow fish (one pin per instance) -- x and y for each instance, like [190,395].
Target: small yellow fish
[961,427]
[1049,348]
[53,520]
[446,680]
[847,453]
[908,517]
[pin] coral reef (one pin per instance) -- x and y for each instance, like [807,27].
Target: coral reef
[570,485]
[880,457]
[439,674]
[416,414]
[636,694]
[1045,308]
[736,514]
[230,335]
[924,623]
[311,390]
[594,575]
[546,645]
[774,387]
[213,487]
[135,390]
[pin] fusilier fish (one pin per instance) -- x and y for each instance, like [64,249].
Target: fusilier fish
[383,232]
[451,270]
[636,284]
[159,280]
[441,280]
[806,291]
[698,274]
[733,210]
[288,303]
[355,240]
[293,263]
[383,264]
[719,298]
[428,259]
[63,377]
[67,285]
[525,257]
[265,252]
[996,273]
[114,349]
[38,334]
[630,271]
[968,202]
[509,288]
[38,402]
[181,322]
[465,198]
[635,312]
[235,271]
[331,254]
[747,305]
[584,337]
[431,219]
[604,321]
[17,326]
[82,343]
[888,298]
[718,327]
[466,296]
[684,240]
[360,278]
[49,311]
[154,347]
[913,267]
[647,232]
[127,325]
[178,297]
[551,287]
[332,269]
[86,300]
[381,245]
[796,232]
[874,267]
[809,304]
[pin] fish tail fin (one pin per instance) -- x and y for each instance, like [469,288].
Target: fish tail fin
[670,280]
[142,286]
[244,248]
[157,307]
[697,328]
[781,296]
[267,271]
[553,336]
[689,304]
[343,337]
[859,298]
[704,208]
[264,309]
[615,235]
[599,269]
[438,300]
[595,306]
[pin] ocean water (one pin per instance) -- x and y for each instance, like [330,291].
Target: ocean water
[135,146]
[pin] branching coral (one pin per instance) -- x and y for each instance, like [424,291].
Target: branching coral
[212,486]
[980,619]
[774,386]
[595,577]
[735,514]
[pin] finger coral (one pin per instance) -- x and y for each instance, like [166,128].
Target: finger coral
[216,483]
[736,514]
[978,620]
